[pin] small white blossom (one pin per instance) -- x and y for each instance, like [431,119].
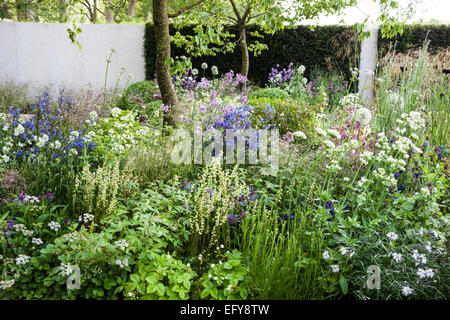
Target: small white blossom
[392,236]
[335,268]
[55,226]
[407,291]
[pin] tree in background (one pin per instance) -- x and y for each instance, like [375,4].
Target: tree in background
[211,15]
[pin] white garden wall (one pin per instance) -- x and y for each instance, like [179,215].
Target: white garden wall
[41,54]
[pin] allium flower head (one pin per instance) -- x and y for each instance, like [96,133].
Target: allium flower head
[363,115]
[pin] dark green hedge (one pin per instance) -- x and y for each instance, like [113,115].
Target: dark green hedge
[414,36]
[326,47]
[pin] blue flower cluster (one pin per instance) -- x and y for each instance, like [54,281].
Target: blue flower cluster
[48,123]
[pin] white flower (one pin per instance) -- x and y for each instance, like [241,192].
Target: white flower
[321,132]
[334,133]
[55,226]
[6,284]
[122,244]
[122,263]
[229,287]
[22,259]
[344,250]
[19,130]
[115,112]
[335,268]
[326,255]
[299,134]
[407,291]
[86,218]
[397,257]
[222,246]
[214,70]
[195,72]
[204,66]
[37,241]
[428,273]
[392,236]
[425,191]
[346,179]
[363,115]
[212,265]
[93,115]
[329,144]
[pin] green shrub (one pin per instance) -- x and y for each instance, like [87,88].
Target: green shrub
[288,115]
[271,93]
[138,94]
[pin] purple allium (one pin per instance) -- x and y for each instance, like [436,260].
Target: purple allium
[289,137]
[139,100]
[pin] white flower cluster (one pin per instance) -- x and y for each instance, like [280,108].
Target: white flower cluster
[397,257]
[65,270]
[22,259]
[41,141]
[326,255]
[347,251]
[392,236]
[23,230]
[334,268]
[351,99]
[86,217]
[72,236]
[6,284]
[425,273]
[122,263]
[363,115]
[419,258]
[37,241]
[122,244]
[406,291]
[55,226]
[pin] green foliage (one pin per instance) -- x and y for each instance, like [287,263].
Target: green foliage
[227,280]
[271,93]
[303,46]
[160,277]
[288,115]
[142,90]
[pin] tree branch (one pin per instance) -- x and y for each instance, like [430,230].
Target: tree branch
[183,10]
[236,11]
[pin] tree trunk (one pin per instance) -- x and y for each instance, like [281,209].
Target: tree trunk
[244,52]
[132,8]
[109,15]
[162,36]
[94,13]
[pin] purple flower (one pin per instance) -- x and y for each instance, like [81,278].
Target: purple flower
[289,137]
[164,108]
[139,100]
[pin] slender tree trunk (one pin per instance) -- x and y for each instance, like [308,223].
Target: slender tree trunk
[244,50]
[94,12]
[162,36]
[109,15]
[132,8]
